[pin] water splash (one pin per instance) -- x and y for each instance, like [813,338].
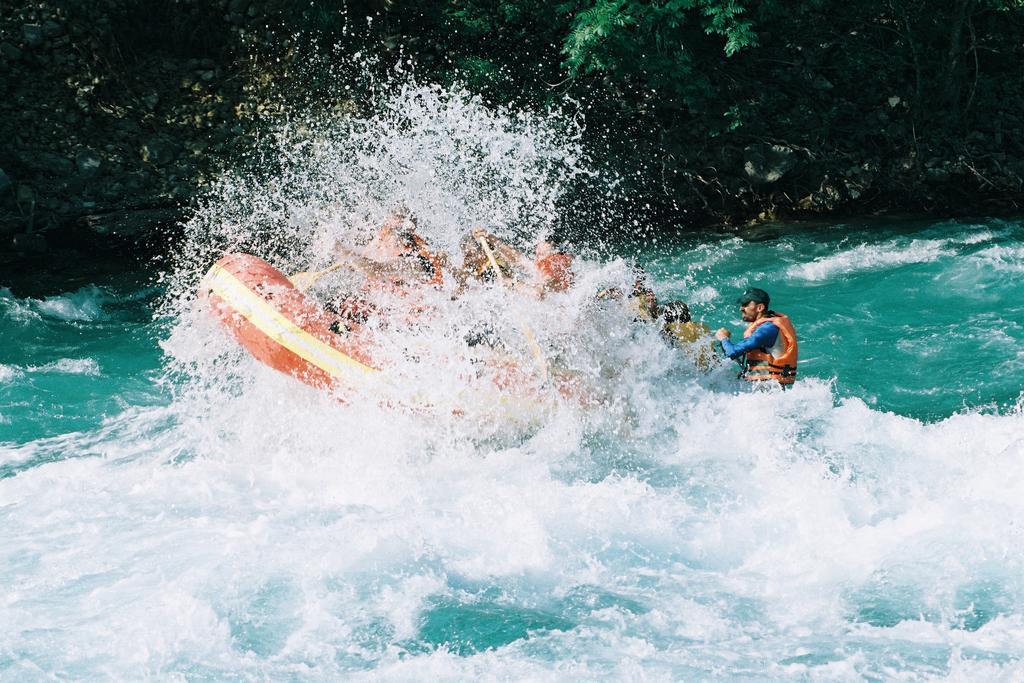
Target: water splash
[864,257]
[69,366]
[681,528]
[443,155]
[450,161]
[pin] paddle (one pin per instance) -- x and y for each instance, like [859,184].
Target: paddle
[305,280]
[527,332]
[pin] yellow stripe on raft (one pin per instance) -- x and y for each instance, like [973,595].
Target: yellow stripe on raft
[272,323]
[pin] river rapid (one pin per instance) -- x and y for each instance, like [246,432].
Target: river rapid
[171,509]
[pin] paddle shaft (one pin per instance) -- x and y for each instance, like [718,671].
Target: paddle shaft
[305,280]
[527,332]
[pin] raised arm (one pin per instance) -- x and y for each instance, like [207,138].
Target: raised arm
[763,337]
[401,269]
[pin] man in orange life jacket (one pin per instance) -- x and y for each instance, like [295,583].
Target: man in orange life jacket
[769,347]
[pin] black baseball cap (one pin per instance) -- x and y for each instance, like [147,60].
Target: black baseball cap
[753,294]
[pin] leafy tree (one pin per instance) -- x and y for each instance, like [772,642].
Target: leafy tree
[676,91]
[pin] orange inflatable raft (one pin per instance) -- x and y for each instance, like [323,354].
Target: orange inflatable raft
[288,331]
[282,327]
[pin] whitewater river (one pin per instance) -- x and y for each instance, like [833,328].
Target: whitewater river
[172,510]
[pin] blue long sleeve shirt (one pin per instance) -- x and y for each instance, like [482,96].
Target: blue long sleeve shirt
[763,338]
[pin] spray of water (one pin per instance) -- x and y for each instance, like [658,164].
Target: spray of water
[663,523]
[452,164]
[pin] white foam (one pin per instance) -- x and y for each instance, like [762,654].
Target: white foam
[9,372]
[69,366]
[686,528]
[977,237]
[303,521]
[1001,258]
[871,256]
[85,305]
[14,308]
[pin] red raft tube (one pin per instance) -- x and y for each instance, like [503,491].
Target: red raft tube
[282,327]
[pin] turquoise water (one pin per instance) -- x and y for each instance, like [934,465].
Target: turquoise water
[173,510]
[918,318]
[866,525]
[76,356]
[923,319]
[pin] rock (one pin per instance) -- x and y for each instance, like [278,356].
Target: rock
[10,52]
[51,29]
[26,196]
[936,175]
[821,83]
[130,223]
[52,164]
[33,35]
[10,223]
[830,194]
[32,243]
[157,152]
[88,163]
[113,191]
[766,164]
[5,182]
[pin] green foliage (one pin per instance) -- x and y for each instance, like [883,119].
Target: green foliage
[684,86]
[725,19]
[675,91]
[656,46]
[611,33]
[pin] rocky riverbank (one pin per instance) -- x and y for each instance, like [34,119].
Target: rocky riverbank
[114,115]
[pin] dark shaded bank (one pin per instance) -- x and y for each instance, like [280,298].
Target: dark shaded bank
[114,114]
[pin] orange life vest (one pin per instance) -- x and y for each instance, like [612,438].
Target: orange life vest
[555,271]
[778,362]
